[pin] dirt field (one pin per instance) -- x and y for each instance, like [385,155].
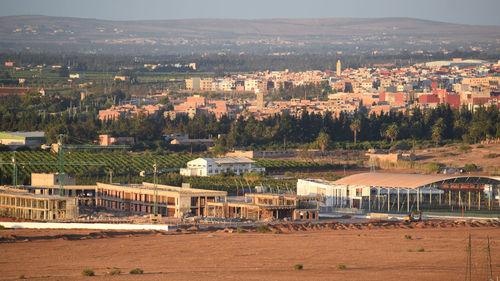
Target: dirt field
[369,251]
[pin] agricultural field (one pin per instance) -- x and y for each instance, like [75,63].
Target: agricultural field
[89,167]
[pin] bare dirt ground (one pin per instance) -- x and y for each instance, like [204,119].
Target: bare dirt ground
[485,155]
[369,251]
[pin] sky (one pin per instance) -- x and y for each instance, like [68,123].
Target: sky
[481,12]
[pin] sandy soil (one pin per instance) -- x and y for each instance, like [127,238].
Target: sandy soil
[370,251]
[486,155]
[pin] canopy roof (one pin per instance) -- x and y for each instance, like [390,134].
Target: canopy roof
[408,180]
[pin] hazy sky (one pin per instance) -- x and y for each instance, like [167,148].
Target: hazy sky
[485,12]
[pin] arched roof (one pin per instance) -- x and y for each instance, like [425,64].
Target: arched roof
[408,180]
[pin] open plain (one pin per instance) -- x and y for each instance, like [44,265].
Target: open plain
[369,251]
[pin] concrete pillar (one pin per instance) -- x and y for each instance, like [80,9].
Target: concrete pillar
[388,200]
[408,200]
[479,200]
[430,197]
[370,199]
[398,199]
[378,197]
[199,207]
[418,199]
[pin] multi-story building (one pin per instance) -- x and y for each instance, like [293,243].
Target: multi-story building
[212,166]
[172,201]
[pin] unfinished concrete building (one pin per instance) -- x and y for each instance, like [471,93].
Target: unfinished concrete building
[267,206]
[24,205]
[48,184]
[173,201]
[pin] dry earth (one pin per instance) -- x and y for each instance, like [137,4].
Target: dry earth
[369,250]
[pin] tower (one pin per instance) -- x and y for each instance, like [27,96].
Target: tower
[260,100]
[339,66]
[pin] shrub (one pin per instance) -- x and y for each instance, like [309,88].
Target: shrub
[298,266]
[470,167]
[115,271]
[407,237]
[464,148]
[263,229]
[239,230]
[491,155]
[341,266]
[278,231]
[420,250]
[433,167]
[480,146]
[2,227]
[136,271]
[88,272]
[409,250]
[21,276]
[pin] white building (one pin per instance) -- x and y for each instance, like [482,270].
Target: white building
[212,166]
[251,85]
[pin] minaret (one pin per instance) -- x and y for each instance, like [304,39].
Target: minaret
[260,100]
[339,70]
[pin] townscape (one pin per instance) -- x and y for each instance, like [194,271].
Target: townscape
[248,157]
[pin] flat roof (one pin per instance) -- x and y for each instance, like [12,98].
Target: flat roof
[227,160]
[399,179]
[34,134]
[31,195]
[146,186]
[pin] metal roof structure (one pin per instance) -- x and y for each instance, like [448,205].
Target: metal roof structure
[399,180]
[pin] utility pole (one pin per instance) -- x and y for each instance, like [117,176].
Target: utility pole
[14,166]
[155,182]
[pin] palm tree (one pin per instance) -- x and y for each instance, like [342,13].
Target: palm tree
[323,140]
[355,128]
[392,132]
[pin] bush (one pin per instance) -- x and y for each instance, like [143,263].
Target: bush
[480,146]
[115,271]
[432,167]
[491,155]
[136,271]
[2,227]
[407,237]
[21,276]
[464,148]
[278,231]
[298,266]
[239,230]
[470,167]
[341,266]
[88,272]
[420,250]
[263,229]
[409,250]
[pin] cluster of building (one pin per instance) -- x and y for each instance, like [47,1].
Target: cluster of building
[127,110]
[458,83]
[364,193]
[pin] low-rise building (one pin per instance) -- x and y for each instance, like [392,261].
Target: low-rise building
[24,205]
[212,166]
[17,139]
[172,201]
[267,206]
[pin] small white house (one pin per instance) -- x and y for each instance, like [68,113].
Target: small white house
[204,167]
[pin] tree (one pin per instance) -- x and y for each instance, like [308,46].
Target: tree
[437,131]
[323,140]
[355,128]
[392,132]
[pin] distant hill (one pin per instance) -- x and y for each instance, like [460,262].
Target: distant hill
[43,33]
